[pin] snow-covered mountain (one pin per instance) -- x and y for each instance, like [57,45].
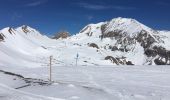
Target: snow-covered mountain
[20,45]
[121,41]
[130,39]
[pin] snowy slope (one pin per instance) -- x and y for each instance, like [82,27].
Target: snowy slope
[165,36]
[20,47]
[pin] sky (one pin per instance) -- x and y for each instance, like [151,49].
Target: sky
[51,16]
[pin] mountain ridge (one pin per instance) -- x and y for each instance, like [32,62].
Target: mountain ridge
[116,42]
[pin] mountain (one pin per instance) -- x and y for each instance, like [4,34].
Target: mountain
[62,35]
[121,41]
[132,39]
[19,45]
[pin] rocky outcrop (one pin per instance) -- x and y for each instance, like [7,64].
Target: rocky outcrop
[119,61]
[1,37]
[129,63]
[11,31]
[93,45]
[62,35]
[145,39]
[161,55]
[116,33]
[25,29]
[113,48]
[112,59]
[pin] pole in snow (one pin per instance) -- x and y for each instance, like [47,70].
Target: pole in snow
[77,56]
[50,74]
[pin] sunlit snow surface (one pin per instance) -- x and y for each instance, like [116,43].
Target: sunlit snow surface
[95,83]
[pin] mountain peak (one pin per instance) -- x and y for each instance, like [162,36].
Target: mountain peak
[26,29]
[125,26]
[128,26]
[123,19]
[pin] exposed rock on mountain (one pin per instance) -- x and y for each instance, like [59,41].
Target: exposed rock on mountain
[93,45]
[1,37]
[62,35]
[25,29]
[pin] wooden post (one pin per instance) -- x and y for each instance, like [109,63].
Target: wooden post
[50,76]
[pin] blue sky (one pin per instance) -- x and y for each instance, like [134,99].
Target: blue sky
[50,16]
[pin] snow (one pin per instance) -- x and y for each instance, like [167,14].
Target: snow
[93,29]
[137,55]
[7,93]
[100,83]
[27,54]
[166,37]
